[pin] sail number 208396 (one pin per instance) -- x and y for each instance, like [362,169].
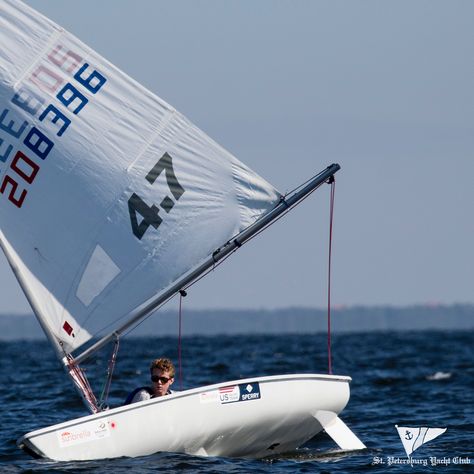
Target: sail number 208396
[63,75]
[150,214]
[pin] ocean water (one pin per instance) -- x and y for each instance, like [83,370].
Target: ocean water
[410,379]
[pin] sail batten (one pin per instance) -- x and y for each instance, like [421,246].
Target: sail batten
[108,195]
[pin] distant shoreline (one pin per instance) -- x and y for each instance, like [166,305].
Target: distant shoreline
[278,321]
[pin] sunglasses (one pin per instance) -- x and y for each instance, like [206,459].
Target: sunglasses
[163,380]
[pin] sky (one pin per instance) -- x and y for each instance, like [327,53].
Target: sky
[385,89]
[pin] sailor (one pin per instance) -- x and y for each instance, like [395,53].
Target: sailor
[162,376]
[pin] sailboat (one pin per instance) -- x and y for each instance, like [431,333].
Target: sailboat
[112,202]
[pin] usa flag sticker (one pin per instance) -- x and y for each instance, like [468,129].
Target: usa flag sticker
[229,394]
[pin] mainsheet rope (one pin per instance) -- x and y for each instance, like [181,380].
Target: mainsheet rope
[235,250]
[332,182]
[182,294]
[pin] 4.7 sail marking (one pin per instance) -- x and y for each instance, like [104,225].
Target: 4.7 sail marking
[136,205]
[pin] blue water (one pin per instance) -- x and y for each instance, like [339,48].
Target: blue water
[393,383]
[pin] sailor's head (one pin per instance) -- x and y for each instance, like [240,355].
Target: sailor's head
[162,375]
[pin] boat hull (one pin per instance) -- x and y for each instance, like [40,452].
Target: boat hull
[250,418]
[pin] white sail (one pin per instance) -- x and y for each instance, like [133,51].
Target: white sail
[107,193]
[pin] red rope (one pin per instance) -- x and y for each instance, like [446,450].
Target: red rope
[331,215]
[78,376]
[181,295]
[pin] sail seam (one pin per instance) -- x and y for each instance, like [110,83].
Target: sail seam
[53,39]
[155,133]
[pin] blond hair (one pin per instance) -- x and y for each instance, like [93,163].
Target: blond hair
[164,365]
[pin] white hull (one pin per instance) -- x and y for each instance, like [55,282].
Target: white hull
[257,418]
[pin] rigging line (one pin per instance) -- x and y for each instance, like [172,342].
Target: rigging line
[331,215]
[79,377]
[216,264]
[182,294]
[171,297]
[257,233]
[148,307]
[110,370]
[132,328]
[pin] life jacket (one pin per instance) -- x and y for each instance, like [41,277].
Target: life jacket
[130,396]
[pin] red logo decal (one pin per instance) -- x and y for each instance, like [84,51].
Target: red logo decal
[68,328]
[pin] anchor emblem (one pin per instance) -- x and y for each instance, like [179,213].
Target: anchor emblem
[408,435]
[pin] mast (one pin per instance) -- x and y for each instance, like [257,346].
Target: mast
[143,311]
